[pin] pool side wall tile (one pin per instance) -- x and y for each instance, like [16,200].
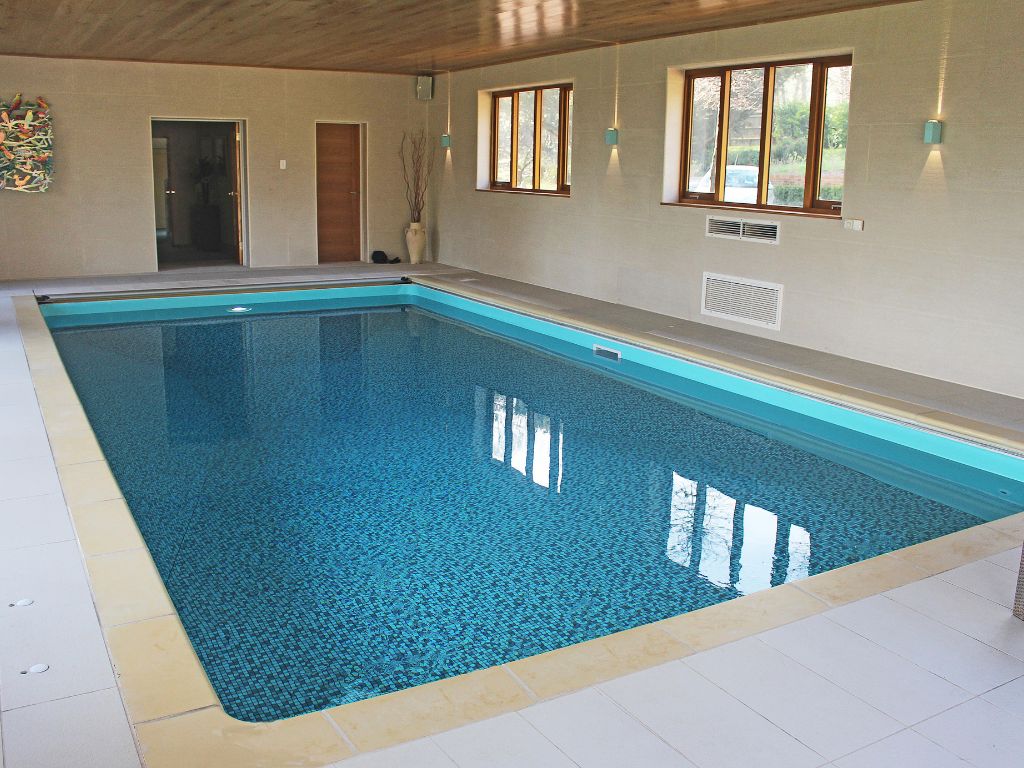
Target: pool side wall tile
[956,549]
[864,579]
[157,669]
[75,448]
[208,738]
[742,617]
[595,661]
[106,526]
[88,483]
[1012,525]
[428,709]
[127,587]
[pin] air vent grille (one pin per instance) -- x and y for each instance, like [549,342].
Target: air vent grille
[743,229]
[742,300]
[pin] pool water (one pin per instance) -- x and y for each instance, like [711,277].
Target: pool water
[345,503]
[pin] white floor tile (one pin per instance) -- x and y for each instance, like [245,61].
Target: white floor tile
[962,660]
[503,742]
[60,628]
[416,754]
[823,716]
[595,733]
[985,579]
[706,724]
[906,749]
[22,434]
[33,521]
[1009,697]
[88,731]
[989,622]
[981,733]
[865,669]
[52,575]
[1008,559]
[21,478]
[18,392]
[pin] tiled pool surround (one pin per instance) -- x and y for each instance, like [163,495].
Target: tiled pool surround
[425,709]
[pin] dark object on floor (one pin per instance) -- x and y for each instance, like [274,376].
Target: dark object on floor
[379,257]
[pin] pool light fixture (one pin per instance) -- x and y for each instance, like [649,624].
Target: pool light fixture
[240,309]
[933,132]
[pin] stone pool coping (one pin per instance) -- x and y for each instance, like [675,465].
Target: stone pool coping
[176,715]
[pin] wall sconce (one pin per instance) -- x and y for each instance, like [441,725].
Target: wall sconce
[446,141]
[611,136]
[933,132]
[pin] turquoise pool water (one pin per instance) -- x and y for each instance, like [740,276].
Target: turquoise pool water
[353,491]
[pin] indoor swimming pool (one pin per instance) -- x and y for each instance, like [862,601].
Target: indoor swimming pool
[353,491]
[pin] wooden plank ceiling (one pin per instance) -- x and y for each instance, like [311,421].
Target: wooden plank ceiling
[399,36]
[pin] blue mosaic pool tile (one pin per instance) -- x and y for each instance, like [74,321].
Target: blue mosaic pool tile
[345,504]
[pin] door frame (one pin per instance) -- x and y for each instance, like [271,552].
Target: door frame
[363,215]
[242,153]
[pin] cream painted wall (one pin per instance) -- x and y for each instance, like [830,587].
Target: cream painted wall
[98,216]
[933,285]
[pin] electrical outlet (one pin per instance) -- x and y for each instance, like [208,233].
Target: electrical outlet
[854,225]
[284,165]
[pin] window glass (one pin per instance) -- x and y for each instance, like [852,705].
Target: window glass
[784,142]
[834,131]
[503,169]
[791,114]
[531,149]
[707,98]
[568,143]
[524,148]
[549,99]
[743,152]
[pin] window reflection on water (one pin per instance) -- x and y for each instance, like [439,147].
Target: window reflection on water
[731,544]
[527,441]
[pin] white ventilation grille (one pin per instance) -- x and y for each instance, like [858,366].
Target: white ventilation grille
[743,229]
[745,301]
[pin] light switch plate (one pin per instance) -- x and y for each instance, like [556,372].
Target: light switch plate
[854,225]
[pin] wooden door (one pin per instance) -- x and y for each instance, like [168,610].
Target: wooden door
[337,192]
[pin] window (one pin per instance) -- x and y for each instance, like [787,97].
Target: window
[767,136]
[530,133]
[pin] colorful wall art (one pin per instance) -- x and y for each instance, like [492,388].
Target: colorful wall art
[26,145]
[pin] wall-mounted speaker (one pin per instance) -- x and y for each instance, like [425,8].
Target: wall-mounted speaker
[424,87]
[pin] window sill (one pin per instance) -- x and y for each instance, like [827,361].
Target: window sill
[835,216]
[538,192]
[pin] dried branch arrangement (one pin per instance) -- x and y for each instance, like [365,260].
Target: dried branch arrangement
[417,155]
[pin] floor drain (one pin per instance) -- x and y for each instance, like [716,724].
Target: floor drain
[36,669]
[21,603]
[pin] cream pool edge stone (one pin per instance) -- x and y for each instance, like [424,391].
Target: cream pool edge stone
[174,709]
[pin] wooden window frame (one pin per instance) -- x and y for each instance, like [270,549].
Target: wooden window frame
[812,203]
[563,186]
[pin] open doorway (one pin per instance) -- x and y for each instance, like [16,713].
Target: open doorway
[197,186]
